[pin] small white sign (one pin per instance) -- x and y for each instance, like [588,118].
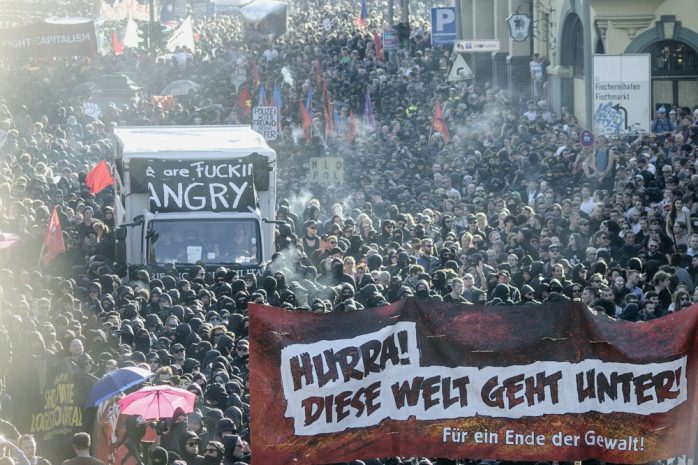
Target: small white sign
[92,110]
[476,46]
[237,77]
[265,121]
[622,94]
[460,71]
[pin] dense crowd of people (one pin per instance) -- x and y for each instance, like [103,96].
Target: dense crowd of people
[506,209]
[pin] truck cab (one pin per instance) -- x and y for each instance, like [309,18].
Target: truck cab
[194,195]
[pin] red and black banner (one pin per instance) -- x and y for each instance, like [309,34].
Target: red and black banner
[548,382]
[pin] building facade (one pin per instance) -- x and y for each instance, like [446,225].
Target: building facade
[567,33]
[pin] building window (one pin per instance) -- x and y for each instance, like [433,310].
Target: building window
[572,50]
[672,58]
[578,41]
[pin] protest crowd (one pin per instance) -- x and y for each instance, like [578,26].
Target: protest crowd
[492,201]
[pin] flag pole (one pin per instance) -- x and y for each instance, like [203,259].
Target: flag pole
[43,244]
[324,142]
[41,254]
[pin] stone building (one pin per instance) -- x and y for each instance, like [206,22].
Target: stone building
[566,33]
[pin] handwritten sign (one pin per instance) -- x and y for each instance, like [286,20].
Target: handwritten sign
[265,120]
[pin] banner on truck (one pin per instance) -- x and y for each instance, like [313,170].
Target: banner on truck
[200,185]
[551,382]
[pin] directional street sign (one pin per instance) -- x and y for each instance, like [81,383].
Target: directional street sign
[474,46]
[460,71]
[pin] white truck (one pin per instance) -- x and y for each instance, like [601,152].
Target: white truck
[189,195]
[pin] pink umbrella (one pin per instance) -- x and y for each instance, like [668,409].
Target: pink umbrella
[154,402]
[7,240]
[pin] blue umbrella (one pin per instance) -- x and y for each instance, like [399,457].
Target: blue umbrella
[116,382]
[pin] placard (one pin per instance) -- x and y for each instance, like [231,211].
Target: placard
[326,170]
[622,94]
[265,120]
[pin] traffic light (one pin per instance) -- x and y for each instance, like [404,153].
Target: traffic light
[143,35]
[157,35]
[403,34]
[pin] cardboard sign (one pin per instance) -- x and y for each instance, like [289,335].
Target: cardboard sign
[265,120]
[326,170]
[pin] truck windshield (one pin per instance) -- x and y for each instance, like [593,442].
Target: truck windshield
[219,241]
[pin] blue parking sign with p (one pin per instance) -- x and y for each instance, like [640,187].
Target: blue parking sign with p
[443,25]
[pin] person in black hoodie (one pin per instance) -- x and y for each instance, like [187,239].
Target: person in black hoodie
[269,286]
[129,451]
[189,448]
[214,452]
[236,450]
[172,440]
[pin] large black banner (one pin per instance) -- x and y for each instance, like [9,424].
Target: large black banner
[65,37]
[200,185]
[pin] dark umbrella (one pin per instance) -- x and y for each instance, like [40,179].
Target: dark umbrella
[86,89]
[116,382]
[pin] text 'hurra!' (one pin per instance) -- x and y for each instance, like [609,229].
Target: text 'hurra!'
[201,185]
[330,386]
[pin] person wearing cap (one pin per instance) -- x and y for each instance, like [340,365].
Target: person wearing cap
[214,452]
[661,123]
[178,353]
[503,277]
[189,448]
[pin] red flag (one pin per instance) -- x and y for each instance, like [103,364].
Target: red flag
[99,178]
[351,128]
[438,122]
[245,101]
[318,77]
[327,111]
[53,243]
[255,73]
[117,44]
[378,43]
[361,19]
[307,122]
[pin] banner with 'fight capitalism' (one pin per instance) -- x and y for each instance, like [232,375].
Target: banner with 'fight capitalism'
[549,382]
